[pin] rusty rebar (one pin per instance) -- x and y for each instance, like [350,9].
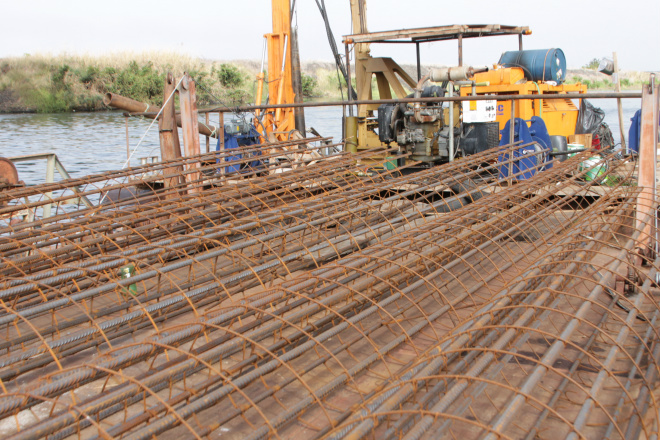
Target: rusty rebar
[310,296]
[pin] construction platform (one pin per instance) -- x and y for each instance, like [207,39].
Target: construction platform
[318,300]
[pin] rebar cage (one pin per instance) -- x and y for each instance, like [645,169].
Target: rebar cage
[319,298]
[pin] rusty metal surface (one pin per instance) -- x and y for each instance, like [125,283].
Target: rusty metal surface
[8,176]
[131,105]
[8,173]
[321,299]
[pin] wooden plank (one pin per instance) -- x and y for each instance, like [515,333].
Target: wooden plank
[189,122]
[170,149]
[647,163]
[450,32]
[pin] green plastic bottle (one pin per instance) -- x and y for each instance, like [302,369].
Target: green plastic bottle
[127,272]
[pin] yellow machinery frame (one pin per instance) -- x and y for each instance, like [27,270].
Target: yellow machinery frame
[559,115]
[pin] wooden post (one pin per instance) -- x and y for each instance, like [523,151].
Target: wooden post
[617,88]
[647,163]
[170,149]
[349,85]
[189,122]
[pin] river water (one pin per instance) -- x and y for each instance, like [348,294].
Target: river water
[88,143]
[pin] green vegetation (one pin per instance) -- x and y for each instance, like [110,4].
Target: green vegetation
[309,86]
[229,76]
[66,83]
[592,65]
[604,82]
[329,85]
[591,84]
[142,83]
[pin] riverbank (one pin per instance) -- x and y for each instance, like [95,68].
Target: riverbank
[67,83]
[55,84]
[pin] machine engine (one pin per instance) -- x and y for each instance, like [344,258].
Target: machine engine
[423,133]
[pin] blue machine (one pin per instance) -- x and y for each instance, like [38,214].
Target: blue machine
[237,135]
[540,135]
[538,65]
[635,131]
[530,159]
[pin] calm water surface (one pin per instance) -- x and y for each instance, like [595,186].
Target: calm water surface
[88,143]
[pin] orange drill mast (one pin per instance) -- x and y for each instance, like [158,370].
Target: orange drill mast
[278,122]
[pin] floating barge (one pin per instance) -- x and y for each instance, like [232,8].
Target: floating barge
[334,296]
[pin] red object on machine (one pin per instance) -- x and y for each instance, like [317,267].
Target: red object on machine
[595,143]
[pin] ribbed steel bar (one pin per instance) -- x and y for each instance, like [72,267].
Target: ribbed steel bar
[472,332]
[472,396]
[309,298]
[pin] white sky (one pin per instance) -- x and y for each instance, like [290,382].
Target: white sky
[233,29]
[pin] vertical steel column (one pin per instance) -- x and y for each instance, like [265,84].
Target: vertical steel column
[460,49]
[419,63]
[512,127]
[349,86]
[451,122]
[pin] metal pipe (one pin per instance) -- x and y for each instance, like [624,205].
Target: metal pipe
[150,111]
[417,107]
[250,108]
[280,84]
[451,122]
[349,82]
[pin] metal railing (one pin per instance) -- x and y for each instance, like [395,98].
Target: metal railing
[53,164]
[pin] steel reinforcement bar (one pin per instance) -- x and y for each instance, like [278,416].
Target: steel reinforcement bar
[325,298]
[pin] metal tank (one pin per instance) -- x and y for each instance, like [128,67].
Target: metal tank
[538,65]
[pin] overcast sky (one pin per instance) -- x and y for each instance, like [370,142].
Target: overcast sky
[233,29]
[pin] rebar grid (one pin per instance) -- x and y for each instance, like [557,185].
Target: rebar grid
[315,297]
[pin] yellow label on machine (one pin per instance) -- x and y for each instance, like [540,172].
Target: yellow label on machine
[473,105]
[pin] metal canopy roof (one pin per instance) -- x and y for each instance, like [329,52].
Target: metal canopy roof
[452,32]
